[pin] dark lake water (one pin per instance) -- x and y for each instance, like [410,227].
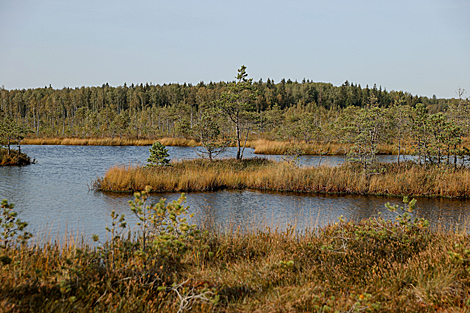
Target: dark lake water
[54,197]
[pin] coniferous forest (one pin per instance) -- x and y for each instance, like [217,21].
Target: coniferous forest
[172,109]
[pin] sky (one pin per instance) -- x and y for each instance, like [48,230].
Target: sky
[418,46]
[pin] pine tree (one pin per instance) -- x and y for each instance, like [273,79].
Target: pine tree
[237,104]
[158,155]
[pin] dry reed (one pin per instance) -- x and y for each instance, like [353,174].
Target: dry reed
[203,175]
[108,141]
[262,146]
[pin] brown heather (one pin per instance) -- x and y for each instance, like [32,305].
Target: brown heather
[332,269]
[203,175]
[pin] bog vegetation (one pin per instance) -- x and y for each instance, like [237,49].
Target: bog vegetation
[437,141]
[167,264]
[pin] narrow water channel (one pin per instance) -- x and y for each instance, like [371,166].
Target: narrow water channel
[54,197]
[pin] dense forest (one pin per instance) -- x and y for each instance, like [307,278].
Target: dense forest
[147,110]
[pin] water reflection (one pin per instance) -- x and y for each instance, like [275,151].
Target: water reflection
[53,195]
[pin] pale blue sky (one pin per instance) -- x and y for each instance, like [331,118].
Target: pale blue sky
[418,46]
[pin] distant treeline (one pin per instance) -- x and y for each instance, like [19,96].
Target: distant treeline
[172,109]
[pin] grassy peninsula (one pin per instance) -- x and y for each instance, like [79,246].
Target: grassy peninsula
[259,173]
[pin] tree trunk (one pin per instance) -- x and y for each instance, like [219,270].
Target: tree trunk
[455,156]
[399,148]
[244,145]
[238,141]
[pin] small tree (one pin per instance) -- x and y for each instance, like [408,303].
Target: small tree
[158,155]
[421,131]
[237,104]
[208,133]
[10,131]
[7,132]
[303,127]
[183,128]
[12,230]
[365,128]
[399,118]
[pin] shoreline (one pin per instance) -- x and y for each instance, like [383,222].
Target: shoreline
[261,146]
[106,141]
[322,193]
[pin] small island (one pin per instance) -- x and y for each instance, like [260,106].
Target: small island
[10,134]
[13,157]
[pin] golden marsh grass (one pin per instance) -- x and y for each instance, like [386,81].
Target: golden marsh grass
[268,147]
[203,175]
[108,141]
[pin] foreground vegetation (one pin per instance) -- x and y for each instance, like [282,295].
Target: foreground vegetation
[203,175]
[168,265]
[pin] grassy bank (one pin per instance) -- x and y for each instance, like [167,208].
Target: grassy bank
[285,147]
[368,266]
[203,175]
[108,141]
[263,146]
[14,158]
